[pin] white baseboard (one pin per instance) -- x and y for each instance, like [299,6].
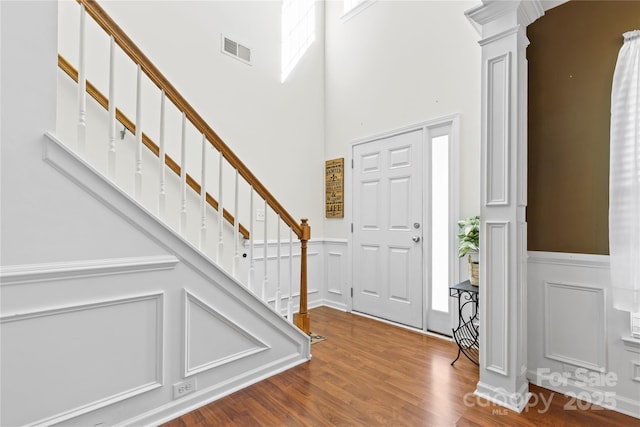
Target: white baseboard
[175,409]
[334,305]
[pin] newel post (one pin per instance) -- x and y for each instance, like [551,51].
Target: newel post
[302,317]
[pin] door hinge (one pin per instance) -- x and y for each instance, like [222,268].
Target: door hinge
[352,227]
[351,292]
[351,163]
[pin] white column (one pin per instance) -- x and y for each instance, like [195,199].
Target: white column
[279,260]
[290,300]
[82,85]
[251,280]
[236,230]
[265,280]
[203,196]
[138,177]
[503,233]
[112,110]
[161,157]
[219,253]
[183,177]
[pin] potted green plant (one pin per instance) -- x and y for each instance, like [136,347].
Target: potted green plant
[469,236]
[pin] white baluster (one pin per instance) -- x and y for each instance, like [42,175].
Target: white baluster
[278,291]
[236,232]
[138,183]
[82,85]
[203,196]
[220,212]
[183,176]
[112,110]
[161,155]
[290,301]
[265,281]
[252,265]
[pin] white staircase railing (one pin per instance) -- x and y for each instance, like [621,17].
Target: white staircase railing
[233,179]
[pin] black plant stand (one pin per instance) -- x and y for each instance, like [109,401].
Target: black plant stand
[466,333]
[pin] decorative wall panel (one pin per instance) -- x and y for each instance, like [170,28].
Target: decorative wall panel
[98,353]
[575,336]
[497,304]
[498,110]
[335,273]
[212,339]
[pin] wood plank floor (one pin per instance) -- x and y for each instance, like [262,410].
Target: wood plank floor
[368,373]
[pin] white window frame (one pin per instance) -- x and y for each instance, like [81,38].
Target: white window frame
[354,7]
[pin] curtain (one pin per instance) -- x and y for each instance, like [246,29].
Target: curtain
[624,182]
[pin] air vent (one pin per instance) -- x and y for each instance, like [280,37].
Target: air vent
[236,50]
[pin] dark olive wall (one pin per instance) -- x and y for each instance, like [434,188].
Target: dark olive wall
[572,57]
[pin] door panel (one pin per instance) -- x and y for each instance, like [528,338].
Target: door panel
[370,191]
[399,281]
[370,255]
[399,202]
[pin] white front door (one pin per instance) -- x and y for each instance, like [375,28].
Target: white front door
[387,228]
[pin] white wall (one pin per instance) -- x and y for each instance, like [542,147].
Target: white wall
[399,63]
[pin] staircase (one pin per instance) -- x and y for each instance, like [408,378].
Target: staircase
[185,174]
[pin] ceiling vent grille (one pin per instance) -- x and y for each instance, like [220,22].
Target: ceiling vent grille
[236,50]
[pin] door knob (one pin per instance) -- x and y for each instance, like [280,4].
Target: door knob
[416,239]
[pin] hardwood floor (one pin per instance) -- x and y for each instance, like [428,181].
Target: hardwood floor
[369,373]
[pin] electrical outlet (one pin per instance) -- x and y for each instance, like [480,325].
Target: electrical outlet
[259,214]
[185,387]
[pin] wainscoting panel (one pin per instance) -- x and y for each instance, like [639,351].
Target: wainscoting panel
[576,339]
[522,296]
[575,336]
[327,268]
[635,371]
[277,279]
[497,182]
[338,289]
[335,273]
[99,353]
[213,339]
[497,274]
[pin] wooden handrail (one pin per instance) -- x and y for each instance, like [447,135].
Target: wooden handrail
[148,142]
[152,72]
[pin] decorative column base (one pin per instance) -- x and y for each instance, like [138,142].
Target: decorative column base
[514,401]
